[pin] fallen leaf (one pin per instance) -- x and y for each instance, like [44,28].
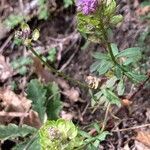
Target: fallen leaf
[143,11]
[32,119]
[67,116]
[13,102]
[10,102]
[140,146]
[144,138]
[5,69]
[72,94]
[47,76]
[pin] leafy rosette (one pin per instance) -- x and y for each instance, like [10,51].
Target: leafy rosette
[59,135]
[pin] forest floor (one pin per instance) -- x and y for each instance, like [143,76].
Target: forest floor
[128,124]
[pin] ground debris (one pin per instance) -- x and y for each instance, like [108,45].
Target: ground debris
[5,69]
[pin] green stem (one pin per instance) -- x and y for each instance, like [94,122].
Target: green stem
[104,32]
[58,73]
[108,43]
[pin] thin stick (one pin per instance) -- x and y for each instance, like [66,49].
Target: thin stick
[105,119]
[13,114]
[131,128]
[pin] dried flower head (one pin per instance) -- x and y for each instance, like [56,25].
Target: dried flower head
[87,6]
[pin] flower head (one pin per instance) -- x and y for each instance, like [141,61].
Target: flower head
[87,6]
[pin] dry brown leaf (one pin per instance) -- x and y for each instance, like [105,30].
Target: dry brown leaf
[5,69]
[72,94]
[10,102]
[144,138]
[143,11]
[13,102]
[47,76]
[43,73]
[66,115]
[32,119]
[140,146]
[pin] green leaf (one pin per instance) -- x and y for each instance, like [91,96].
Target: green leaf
[110,8]
[53,105]
[102,136]
[136,77]
[118,72]
[96,126]
[13,131]
[121,87]
[13,20]
[95,66]
[52,54]
[104,67]
[111,82]
[130,52]
[145,3]
[21,61]
[68,3]
[84,134]
[37,93]
[116,19]
[100,56]
[98,95]
[114,49]
[113,99]
[32,144]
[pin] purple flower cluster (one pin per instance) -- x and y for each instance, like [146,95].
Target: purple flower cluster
[87,6]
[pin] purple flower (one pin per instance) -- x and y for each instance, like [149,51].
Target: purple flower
[87,6]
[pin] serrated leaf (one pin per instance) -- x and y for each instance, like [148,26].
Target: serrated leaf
[32,144]
[120,87]
[113,99]
[37,93]
[53,105]
[13,131]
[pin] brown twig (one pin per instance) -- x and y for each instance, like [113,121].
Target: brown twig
[6,43]
[13,114]
[131,128]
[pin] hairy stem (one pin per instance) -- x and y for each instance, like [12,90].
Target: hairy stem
[58,73]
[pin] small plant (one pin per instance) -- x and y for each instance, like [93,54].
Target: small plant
[59,135]
[20,64]
[95,19]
